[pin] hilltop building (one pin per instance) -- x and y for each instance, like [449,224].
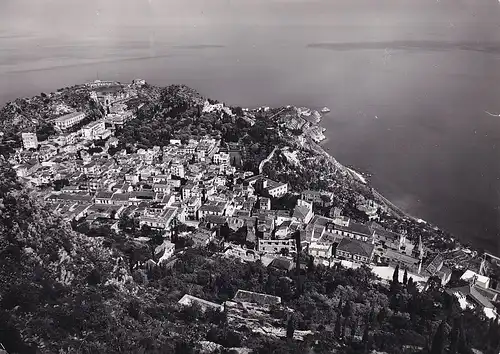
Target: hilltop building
[94,130]
[69,120]
[30,141]
[101,83]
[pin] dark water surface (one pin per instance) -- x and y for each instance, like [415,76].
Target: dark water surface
[408,81]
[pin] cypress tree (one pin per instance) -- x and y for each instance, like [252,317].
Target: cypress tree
[354,327]
[371,316]
[381,315]
[310,264]
[494,336]
[395,275]
[405,277]
[290,329]
[454,338]
[462,340]
[344,329]
[492,332]
[366,333]
[395,280]
[297,261]
[367,342]
[438,340]
[339,307]
[338,326]
[346,311]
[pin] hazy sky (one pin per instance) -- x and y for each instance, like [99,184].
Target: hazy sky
[77,19]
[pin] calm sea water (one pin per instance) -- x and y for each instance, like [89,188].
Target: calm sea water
[408,81]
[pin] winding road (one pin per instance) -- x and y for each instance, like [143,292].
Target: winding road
[267,159]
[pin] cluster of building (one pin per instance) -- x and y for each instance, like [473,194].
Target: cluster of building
[43,162]
[197,183]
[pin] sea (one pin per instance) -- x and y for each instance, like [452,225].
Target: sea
[413,85]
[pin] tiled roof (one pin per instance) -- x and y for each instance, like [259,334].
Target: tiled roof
[104,195]
[389,235]
[120,196]
[256,298]
[273,184]
[355,247]
[471,291]
[282,263]
[321,220]
[211,207]
[300,212]
[355,228]
[283,213]
[435,264]
[216,219]
[187,300]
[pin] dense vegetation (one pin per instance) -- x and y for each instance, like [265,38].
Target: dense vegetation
[67,293]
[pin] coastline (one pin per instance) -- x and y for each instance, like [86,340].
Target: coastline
[358,176]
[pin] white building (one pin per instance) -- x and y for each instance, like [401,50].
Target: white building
[93,130]
[177,169]
[167,250]
[139,82]
[69,120]
[275,189]
[30,141]
[99,83]
[221,158]
[275,246]
[303,211]
[188,300]
[321,250]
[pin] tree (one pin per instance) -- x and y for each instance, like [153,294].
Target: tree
[310,264]
[409,284]
[338,326]
[454,337]
[382,314]
[493,334]
[290,328]
[238,111]
[438,340]
[346,311]
[60,183]
[395,275]
[44,131]
[297,261]
[354,327]
[182,347]
[339,306]
[405,277]
[366,337]
[395,280]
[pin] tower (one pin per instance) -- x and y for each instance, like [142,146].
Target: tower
[420,247]
[420,254]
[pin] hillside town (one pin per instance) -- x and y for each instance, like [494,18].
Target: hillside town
[193,190]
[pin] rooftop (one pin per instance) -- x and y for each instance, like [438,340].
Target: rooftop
[355,228]
[256,298]
[67,116]
[471,291]
[355,247]
[282,263]
[188,300]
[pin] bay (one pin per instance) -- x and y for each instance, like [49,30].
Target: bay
[408,82]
